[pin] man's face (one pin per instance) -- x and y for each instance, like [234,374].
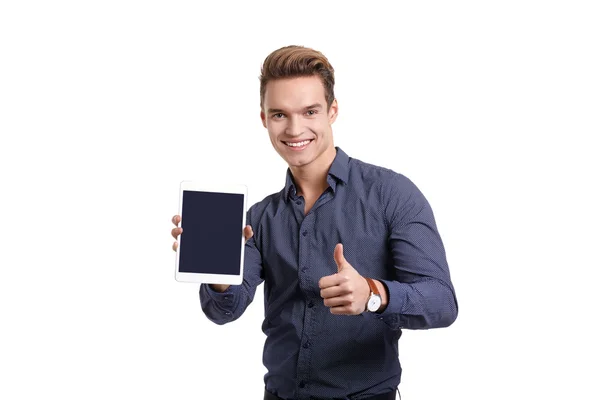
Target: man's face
[296,116]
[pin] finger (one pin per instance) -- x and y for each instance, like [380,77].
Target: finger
[175,246]
[248,233]
[332,280]
[176,220]
[176,232]
[338,256]
[341,310]
[334,291]
[339,301]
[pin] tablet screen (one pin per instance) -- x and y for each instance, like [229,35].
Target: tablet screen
[212,232]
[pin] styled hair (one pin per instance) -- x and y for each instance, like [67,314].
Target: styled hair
[297,61]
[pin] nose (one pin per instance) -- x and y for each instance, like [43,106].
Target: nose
[294,127]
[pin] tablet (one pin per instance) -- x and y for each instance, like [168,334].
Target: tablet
[211,246]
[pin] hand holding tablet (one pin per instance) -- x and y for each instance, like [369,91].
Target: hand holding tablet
[210,243]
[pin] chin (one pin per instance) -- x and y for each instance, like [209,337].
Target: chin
[296,161]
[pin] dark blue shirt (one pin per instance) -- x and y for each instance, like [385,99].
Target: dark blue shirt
[389,233]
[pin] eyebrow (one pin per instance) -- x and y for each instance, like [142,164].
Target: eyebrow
[312,106]
[316,105]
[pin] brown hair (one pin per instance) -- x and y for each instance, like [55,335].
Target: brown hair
[296,61]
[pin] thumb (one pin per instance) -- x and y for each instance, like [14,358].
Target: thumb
[248,233]
[338,256]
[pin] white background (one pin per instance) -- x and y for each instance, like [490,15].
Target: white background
[491,108]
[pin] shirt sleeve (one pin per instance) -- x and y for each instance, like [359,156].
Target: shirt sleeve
[229,305]
[421,295]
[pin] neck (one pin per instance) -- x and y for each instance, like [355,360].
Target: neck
[311,179]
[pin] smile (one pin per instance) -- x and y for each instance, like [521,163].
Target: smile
[298,144]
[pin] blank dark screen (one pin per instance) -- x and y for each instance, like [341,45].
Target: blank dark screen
[211,241]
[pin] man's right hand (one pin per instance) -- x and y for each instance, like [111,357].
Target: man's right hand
[175,232]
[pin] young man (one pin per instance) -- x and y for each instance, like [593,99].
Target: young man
[349,252]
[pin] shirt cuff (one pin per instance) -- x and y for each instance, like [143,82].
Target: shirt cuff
[225,300]
[391,314]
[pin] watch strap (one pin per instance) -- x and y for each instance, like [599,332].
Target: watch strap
[373,286]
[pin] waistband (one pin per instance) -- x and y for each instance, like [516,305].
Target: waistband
[384,396]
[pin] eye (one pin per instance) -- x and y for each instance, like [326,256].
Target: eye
[278,115]
[311,112]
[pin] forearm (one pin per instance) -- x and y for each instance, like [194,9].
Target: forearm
[223,306]
[424,304]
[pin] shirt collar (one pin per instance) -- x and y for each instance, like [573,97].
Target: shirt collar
[339,169]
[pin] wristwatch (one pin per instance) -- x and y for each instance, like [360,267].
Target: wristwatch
[374,301]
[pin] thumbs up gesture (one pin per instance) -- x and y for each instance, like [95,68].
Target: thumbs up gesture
[346,292]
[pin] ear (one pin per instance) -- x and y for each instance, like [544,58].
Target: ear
[263,118]
[333,111]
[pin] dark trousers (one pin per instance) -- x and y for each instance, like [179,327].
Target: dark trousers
[385,396]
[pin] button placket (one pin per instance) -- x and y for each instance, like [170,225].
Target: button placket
[303,254]
[306,282]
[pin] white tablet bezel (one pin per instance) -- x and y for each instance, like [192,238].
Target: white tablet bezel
[215,188]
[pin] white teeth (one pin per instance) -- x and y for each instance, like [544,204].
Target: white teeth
[299,144]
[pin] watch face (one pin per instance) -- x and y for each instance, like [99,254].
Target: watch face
[374,303]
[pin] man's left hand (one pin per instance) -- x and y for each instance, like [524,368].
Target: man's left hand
[347,292]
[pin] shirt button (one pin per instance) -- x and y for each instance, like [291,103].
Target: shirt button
[311,304]
[304,233]
[302,384]
[298,202]
[306,345]
[304,269]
